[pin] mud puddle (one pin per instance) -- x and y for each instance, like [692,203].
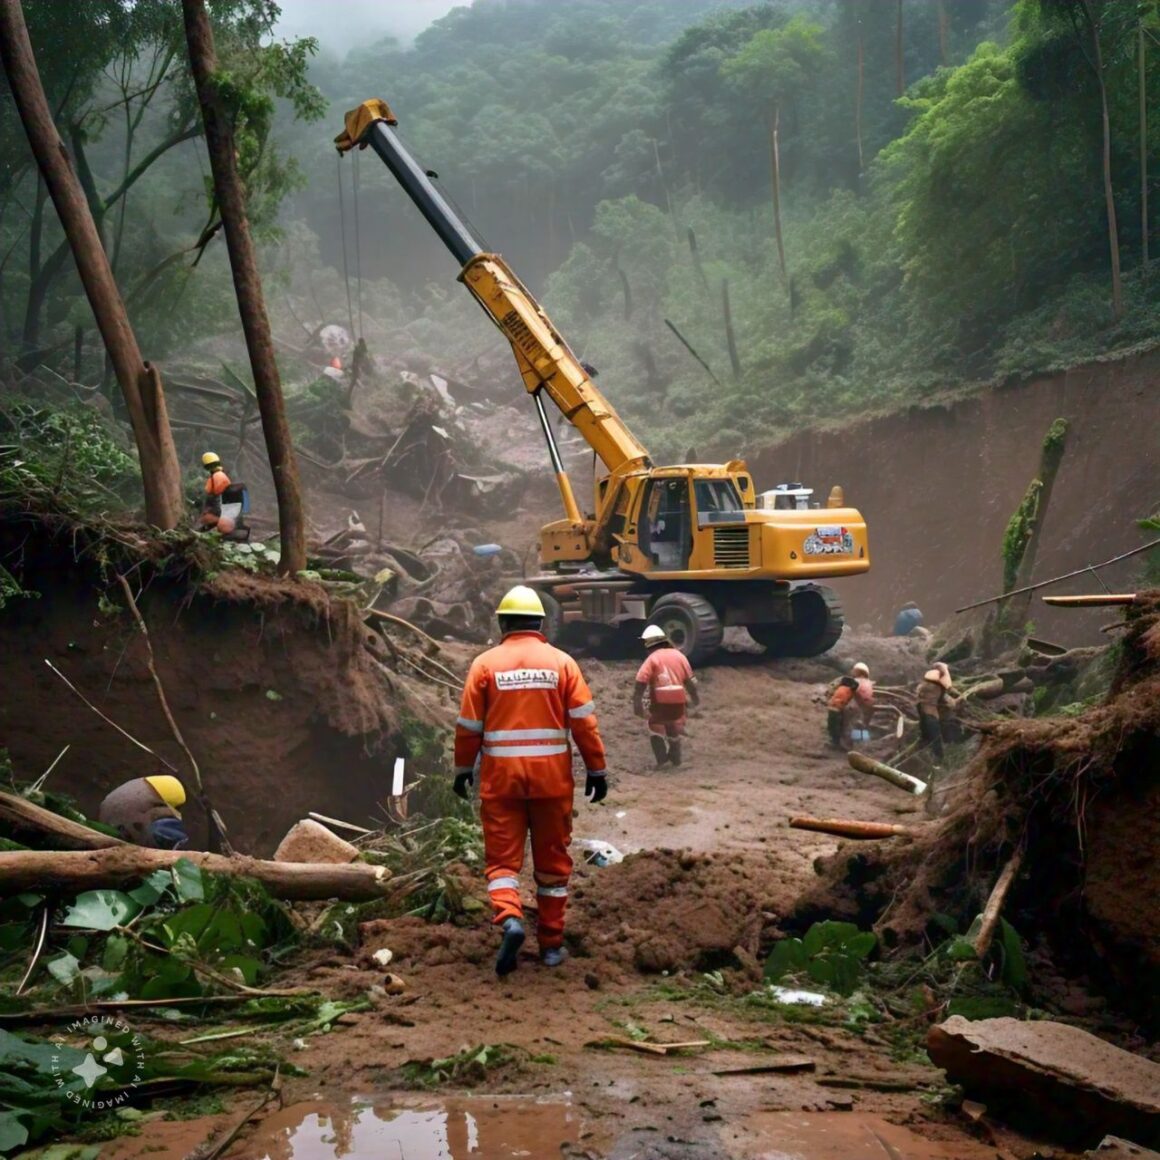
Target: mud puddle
[491,1128]
[843,1136]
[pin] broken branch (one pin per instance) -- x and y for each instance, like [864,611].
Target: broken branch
[994,908]
[21,814]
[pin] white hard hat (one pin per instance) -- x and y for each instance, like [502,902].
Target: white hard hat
[652,634]
[861,670]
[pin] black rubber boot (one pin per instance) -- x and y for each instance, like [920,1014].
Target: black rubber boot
[553,956]
[660,752]
[513,938]
[675,752]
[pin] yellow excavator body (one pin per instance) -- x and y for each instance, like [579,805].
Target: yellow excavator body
[691,547]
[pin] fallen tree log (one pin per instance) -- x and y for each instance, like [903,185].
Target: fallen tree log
[850,828]
[986,690]
[20,815]
[75,871]
[864,764]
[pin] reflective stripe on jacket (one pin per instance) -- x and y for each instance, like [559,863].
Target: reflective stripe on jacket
[520,702]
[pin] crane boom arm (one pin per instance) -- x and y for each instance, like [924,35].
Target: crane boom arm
[545,360]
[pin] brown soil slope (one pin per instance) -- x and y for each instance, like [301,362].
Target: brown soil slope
[938,484]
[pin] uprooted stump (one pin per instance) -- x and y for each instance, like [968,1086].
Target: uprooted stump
[1081,796]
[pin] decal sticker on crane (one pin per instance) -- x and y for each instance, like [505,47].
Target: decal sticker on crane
[829,541]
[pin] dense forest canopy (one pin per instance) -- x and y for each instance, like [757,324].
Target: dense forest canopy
[935,209]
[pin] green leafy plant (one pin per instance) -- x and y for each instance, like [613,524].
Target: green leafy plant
[831,953]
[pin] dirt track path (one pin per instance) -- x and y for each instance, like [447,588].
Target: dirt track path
[756,754]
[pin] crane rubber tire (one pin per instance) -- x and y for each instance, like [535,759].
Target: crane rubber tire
[817,624]
[691,623]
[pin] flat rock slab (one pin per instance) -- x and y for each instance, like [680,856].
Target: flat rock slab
[1067,1082]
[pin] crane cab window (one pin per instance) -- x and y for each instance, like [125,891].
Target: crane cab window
[666,531]
[718,502]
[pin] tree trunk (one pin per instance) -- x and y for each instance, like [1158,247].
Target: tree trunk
[160,472]
[775,163]
[30,334]
[944,33]
[899,62]
[75,871]
[1050,457]
[1109,191]
[1142,67]
[220,146]
[730,337]
[859,95]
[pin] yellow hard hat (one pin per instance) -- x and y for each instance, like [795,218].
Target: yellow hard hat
[168,789]
[209,458]
[521,601]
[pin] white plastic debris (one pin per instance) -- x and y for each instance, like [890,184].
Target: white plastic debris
[797,998]
[599,853]
[383,956]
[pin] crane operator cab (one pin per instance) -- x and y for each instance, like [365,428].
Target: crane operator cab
[666,532]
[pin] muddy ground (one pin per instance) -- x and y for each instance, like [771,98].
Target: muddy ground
[711,864]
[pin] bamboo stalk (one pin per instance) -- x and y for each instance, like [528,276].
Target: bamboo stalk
[850,828]
[896,777]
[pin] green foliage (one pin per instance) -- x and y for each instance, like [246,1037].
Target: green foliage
[66,455]
[468,1067]
[176,934]
[831,953]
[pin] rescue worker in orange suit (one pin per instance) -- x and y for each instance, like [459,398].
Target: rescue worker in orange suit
[666,678]
[851,704]
[935,706]
[520,701]
[145,811]
[215,484]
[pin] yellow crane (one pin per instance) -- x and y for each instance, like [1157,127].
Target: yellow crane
[691,547]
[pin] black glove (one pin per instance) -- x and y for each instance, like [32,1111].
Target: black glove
[463,782]
[596,787]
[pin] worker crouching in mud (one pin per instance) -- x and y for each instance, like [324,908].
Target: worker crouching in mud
[144,811]
[936,703]
[851,706]
[520,701]
[666,678]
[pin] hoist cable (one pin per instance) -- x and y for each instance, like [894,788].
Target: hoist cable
[342,229]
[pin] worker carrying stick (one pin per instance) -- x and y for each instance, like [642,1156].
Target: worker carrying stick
[666,678]
[520,702]
[145,811]
[936,703]
[851,705]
